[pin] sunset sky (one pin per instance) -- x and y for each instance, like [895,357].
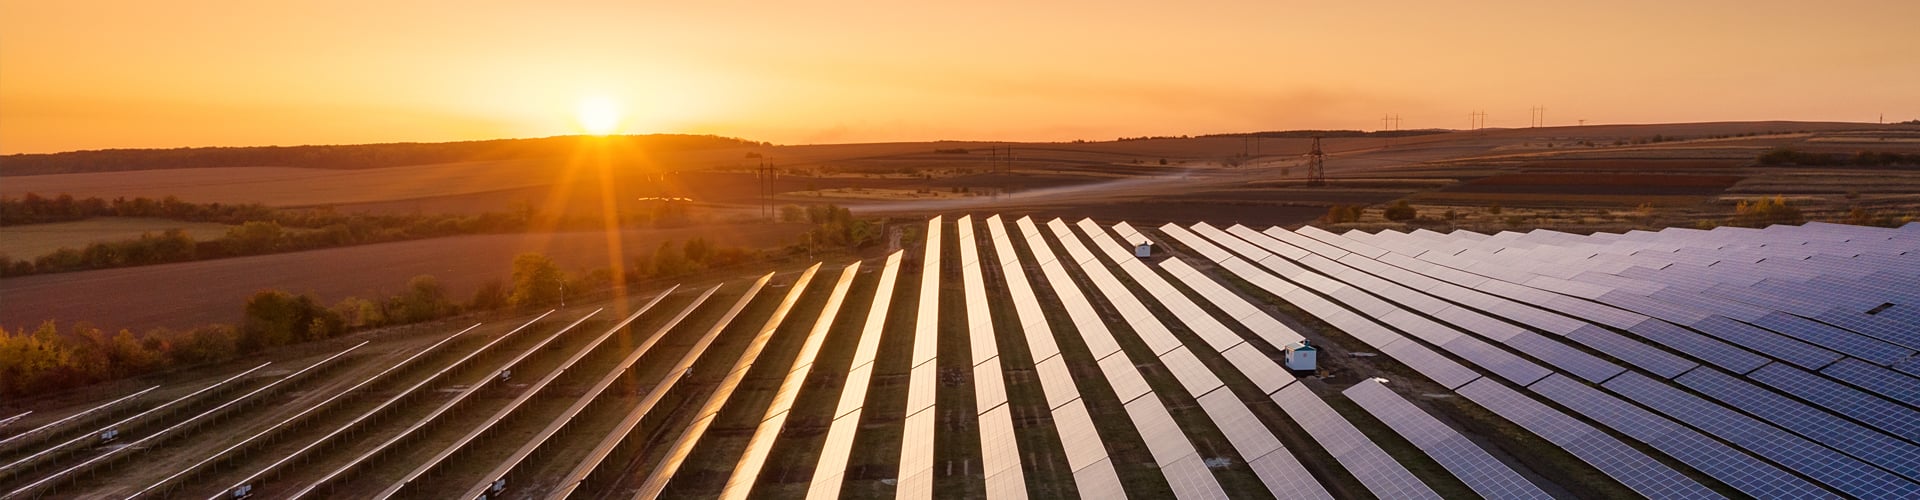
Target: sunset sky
[83,74]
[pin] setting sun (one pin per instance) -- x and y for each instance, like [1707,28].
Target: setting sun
[599,115]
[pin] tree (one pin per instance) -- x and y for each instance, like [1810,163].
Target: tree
[698,250]
[536,281]
[425,299]
[668,261]
[278,318]
[255,237]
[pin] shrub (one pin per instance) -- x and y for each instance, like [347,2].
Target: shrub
[1775,210]
[1401,211]
[491,295]
[1342,213]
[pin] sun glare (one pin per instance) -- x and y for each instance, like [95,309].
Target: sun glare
[599,115]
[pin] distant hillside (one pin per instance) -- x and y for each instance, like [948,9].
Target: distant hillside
[340,157]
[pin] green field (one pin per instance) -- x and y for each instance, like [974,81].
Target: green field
[34,240]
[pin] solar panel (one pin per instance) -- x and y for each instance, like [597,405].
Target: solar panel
[1126,381]
[1435,367]
[1308,244]
[1818,462]
[1158,429]
[1242,429]
[1474,466]
[1563,357]
[916,456]
[1191,373]
[1262,370]
[1189,478]
[1699,346]
[989,388]
[921,381]
[1077,435]
[854,395]
[1376,470]
[1772,344]
[1888,416]
[1198,245]
[1286,478]
[1845,342]
[869,344]
[1640,355]
[1418,326]
[1098,481]
[926,325]
[999,451]
[1183,309]
[831,469]
[1056,381]
[1148,327]
[1739,470]
[1621,462]
[1026,305]
[1493,359]
[761,443]
[1011,483]
[1817,425]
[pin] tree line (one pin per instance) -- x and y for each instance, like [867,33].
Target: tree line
[255,230]
[358,156]
[1788,156]
[258,229]
[49,358]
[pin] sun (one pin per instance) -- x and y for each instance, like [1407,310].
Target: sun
[599,115]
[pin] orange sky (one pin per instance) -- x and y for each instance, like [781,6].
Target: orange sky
[82,74]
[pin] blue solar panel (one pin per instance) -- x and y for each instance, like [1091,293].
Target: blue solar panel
[1845,342]
[1836,397]
[1894,385]
[1563,357]
[1505,364]
[1474,466]
[1817,425]
[1772,344]
[1739,470]
[1823,464]
[1382,475]
[1699,346]
[1633,352]
[1630,467]
[1435,367]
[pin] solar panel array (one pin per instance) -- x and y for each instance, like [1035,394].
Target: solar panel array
[1777,362]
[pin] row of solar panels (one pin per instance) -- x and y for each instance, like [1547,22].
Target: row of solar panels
[1842,437]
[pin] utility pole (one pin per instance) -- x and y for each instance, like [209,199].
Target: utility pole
[1538,117]
[766,190]
[1477,120]
[1316,165]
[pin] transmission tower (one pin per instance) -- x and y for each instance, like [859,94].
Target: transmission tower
[1316,165]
